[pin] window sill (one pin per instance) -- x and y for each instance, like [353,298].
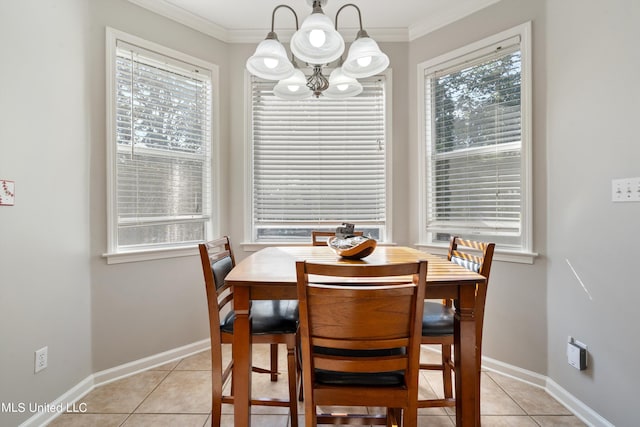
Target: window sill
[498,255]
[149,254]
[255,246]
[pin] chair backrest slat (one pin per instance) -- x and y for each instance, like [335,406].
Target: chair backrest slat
[359,345]
[362,365]
[481,256]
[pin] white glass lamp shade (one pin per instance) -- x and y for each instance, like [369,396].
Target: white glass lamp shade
[365,59]
[270,61]
[294,87]
[317,42]
[342,86]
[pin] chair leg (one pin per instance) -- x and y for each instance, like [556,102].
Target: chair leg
[299,367]
[216,388]
[274,362]
[394,417]
[216,406]
[301,392]
[446,371]
[310,409]
[310,419]
[410,415]
[292,370]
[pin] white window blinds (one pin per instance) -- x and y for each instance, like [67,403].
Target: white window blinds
[163,149]
[318,162]
[474,140]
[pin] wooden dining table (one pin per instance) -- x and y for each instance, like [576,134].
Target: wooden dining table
[270,274]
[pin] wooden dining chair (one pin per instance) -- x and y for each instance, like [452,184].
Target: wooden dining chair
[360,340]
[273,322]
[319,238]
[438,317]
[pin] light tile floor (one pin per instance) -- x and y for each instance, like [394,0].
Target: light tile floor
[179,394]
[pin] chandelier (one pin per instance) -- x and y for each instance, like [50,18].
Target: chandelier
[318,44]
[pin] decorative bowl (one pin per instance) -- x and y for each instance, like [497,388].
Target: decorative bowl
[354,247]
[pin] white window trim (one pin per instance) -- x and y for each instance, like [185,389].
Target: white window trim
[248,244]
[113,256]
[526,254]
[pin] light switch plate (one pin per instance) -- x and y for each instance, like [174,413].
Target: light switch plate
[625,190]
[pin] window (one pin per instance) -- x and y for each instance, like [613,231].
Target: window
[476,139]
[160,158]
[318,162]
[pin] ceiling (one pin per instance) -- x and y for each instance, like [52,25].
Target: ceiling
[239,21]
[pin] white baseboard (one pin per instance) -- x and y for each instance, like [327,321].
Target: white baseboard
[582,411]
[61,403]
[520,374]
[577,407]
[68,399]
[137,366]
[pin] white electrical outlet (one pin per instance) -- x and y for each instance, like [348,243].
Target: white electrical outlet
[41,359]
[576,354]
[625,190]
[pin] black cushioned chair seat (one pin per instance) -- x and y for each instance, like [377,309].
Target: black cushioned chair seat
[268,317]
[437,319]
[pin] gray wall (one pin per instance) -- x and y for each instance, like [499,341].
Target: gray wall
[44,239]
[57,290]
[593,65]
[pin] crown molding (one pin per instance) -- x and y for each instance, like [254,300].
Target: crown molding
[184,17]
[349,34]
[452,13]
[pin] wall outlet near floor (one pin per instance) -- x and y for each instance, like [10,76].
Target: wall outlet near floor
[577,354]
[41,359]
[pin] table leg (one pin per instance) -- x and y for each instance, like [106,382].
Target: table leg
[467,397]
[241,358]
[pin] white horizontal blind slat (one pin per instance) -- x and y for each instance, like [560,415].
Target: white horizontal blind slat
[163,158]
[473,118]
[318,160]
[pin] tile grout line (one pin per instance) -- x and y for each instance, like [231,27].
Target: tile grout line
[149,394]
[509,395]
[523,409]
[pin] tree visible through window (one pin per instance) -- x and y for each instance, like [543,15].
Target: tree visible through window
[475,181]
[162,133]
